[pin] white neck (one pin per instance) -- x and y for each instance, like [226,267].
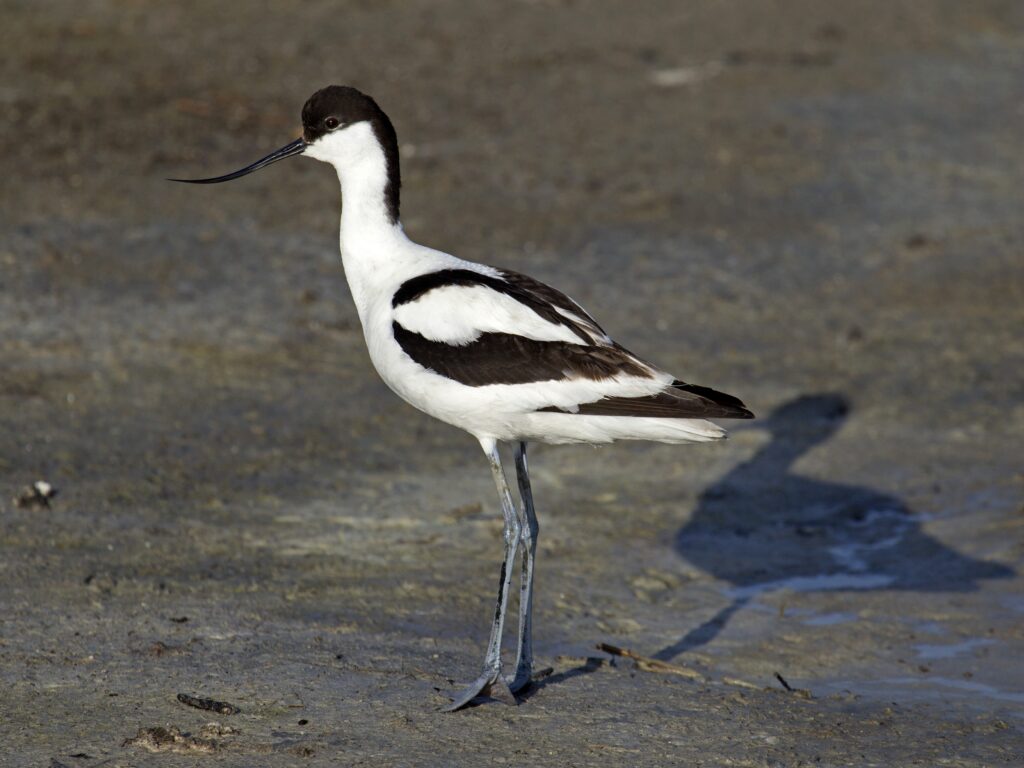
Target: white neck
[362,168]
[364,214]
[368,238]
[374,248]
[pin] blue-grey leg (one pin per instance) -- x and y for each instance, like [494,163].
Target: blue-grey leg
[529,529]
[491,682]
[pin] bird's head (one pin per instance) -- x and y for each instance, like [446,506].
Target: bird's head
[341,124]
[344,127]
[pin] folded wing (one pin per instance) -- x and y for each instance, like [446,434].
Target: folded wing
[480,328]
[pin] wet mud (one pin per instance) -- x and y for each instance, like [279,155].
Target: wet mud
[813,205]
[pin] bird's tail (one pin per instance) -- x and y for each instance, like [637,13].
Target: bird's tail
[570,428]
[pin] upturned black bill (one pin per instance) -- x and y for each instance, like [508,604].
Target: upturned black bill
[297,147]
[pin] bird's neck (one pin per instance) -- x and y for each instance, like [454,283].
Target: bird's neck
[778,456]
[372,240]
[370,183]
[365,211]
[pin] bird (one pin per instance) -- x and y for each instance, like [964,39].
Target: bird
[496,353]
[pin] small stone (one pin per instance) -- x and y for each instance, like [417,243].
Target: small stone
[35,496]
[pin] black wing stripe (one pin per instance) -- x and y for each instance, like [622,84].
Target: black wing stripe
[680,401]
[552,296]
[503,358]
[416,287]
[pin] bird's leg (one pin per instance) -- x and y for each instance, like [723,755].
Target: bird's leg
[491,681]
[528,537]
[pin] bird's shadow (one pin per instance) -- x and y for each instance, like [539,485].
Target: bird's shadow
[765,527]
[589,665]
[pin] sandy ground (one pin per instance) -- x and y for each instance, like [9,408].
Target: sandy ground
[814,205]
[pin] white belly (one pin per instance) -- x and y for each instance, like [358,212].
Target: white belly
[479,410]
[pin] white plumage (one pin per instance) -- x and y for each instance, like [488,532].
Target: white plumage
[460,314]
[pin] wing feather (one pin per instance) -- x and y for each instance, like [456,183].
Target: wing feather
[677,401]
[467,298]
[503,358]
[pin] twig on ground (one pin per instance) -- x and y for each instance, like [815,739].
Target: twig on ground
[653,665]
[802,692]
[648,664]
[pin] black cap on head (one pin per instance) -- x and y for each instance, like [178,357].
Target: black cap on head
[336,106]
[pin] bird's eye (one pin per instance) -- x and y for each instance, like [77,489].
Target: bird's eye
[331,123]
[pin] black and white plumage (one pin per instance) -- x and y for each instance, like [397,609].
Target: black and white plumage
[496,353]
[482,328]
